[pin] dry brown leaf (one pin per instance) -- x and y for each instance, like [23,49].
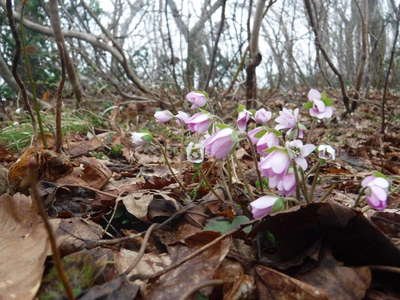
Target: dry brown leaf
[137,204]
[272,284]
[198,269]
[95,173]
[72,233]
[237,284]
[51,165]
[23,248]
[149,264]
[337,281]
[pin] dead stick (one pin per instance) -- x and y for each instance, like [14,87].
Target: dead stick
[202,249]
[56,253]
[141,250]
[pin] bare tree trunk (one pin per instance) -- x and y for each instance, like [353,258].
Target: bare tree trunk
[255,55]
[318,45]
[59,37]
[215,49]
[392,54]
[363,11]
[377,38]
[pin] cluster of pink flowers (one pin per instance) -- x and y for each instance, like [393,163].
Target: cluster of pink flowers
[280,147]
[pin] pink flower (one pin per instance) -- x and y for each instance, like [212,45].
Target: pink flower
[220,143]
[199,122]
[163,116]
[377,191]
[286,184]
[287,119]
[319,109]
[197,99]
[252,134]
[267,141]
[263,206]
[298,152]
[275,163]
[181,117]
[262,116]
[242,120]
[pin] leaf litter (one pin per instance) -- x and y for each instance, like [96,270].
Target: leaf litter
[103,199]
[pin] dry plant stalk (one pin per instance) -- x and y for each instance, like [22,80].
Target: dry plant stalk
[33,180]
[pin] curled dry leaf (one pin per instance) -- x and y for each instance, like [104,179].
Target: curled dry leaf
[52,166]
[23,248]
[149,205]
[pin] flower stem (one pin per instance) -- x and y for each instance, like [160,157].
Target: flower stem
[314,183]
[328,192]
[164,153]
[210,187]
[254,156]
[360,193]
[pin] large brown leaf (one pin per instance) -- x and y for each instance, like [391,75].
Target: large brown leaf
[23,248]
[198,269]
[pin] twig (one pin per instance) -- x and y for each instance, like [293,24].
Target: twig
[360,194]
[328,192]
[200,286]
[142,249]
[314,183]
[202,249]
[90,188]
[56,253]
[93,244]
[112,216]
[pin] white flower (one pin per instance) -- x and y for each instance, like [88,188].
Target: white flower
[326,152]
[298,152]
[140,138]
[195,152]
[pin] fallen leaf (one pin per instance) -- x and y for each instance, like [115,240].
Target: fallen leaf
[272,284]
[23,248]
[337,281]
[198,269]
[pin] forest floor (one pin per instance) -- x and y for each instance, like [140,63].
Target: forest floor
[103,194]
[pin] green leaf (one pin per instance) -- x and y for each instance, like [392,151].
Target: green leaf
[327,101]
[272,149]
[225,225]
[271,238]
[204,111]
[278,205]
[253,111]
[241,108]
[276,132]
[204,93]
[379,174]
[222,125]
[264,183]
[260,134]
[308,105]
